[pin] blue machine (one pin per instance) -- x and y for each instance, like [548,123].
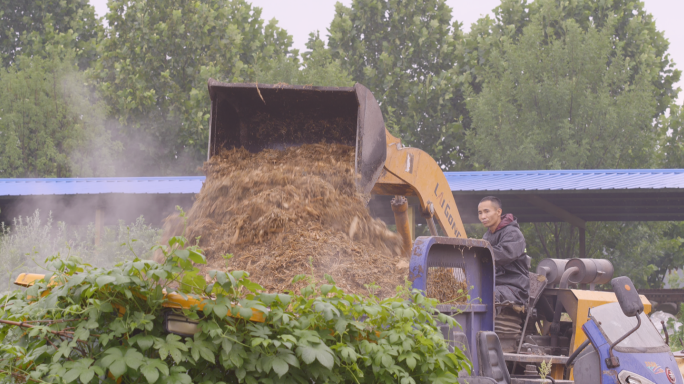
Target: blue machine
[623,346]
[470,258]
[653,363]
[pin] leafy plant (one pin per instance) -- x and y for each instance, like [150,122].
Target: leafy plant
[106,325]
[544,370]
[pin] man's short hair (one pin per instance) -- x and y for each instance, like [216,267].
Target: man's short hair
[493,199]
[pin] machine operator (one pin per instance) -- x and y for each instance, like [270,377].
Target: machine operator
[508,248]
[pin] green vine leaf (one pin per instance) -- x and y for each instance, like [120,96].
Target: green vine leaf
[152,368]
[114,361]
[314,336]
[80,369]
[171,346]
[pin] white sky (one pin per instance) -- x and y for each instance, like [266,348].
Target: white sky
[300,17]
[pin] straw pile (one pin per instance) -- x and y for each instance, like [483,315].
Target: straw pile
[290,212]
[443,285]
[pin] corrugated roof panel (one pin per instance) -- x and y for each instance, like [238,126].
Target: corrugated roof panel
[567,180]
[100,185]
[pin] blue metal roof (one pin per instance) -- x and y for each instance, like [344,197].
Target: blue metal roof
[99,185]
[566,180]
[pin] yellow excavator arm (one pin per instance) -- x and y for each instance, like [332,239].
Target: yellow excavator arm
[413,172]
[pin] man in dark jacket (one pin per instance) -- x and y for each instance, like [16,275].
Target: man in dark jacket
[508,246]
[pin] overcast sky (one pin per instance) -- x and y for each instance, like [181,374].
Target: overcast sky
[300,17]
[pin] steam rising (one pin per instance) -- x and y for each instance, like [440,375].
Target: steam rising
[29,241]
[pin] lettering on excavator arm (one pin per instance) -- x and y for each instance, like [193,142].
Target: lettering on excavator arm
[441,202]
[420,175]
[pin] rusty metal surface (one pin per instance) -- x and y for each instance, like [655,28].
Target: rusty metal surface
[664,295]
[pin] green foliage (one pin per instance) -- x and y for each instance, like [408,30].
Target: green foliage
[155,61]
[632,29]
[644,251]
[317,68]
[566,103]
[96,325]
[576,85]
[28,25]
[672,138]
[51,124]
[405,53]
[544,370]
[30,240]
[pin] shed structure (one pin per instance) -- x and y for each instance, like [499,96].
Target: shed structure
[99,200]
[573,196]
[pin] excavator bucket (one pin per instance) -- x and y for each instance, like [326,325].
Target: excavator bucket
[264,116]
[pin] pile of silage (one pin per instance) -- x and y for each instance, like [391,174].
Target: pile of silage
[290,212]
[443,285]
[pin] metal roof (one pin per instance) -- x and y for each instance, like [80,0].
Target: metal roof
[547,181]
[566,180]
[589,195]
[101,185]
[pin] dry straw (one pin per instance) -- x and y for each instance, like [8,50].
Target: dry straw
[285,213]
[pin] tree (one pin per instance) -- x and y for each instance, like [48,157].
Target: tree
[672,138]
[405,51]
[316,68]
[558,94]
[632,28]
[52,126]
[26,21]
[155,62]
[566,102]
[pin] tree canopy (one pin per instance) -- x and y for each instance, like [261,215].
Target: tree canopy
[406,53]
[52,126]
[632,28]
[316,67]
[154,64]
[28,24]
[561,100]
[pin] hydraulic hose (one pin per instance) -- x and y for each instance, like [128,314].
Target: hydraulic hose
[429,215]
[572,357]
[667,336]
[400,209]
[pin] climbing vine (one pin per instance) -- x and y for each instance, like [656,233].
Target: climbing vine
[106,325]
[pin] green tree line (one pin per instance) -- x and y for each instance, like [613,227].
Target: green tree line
[550,84]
